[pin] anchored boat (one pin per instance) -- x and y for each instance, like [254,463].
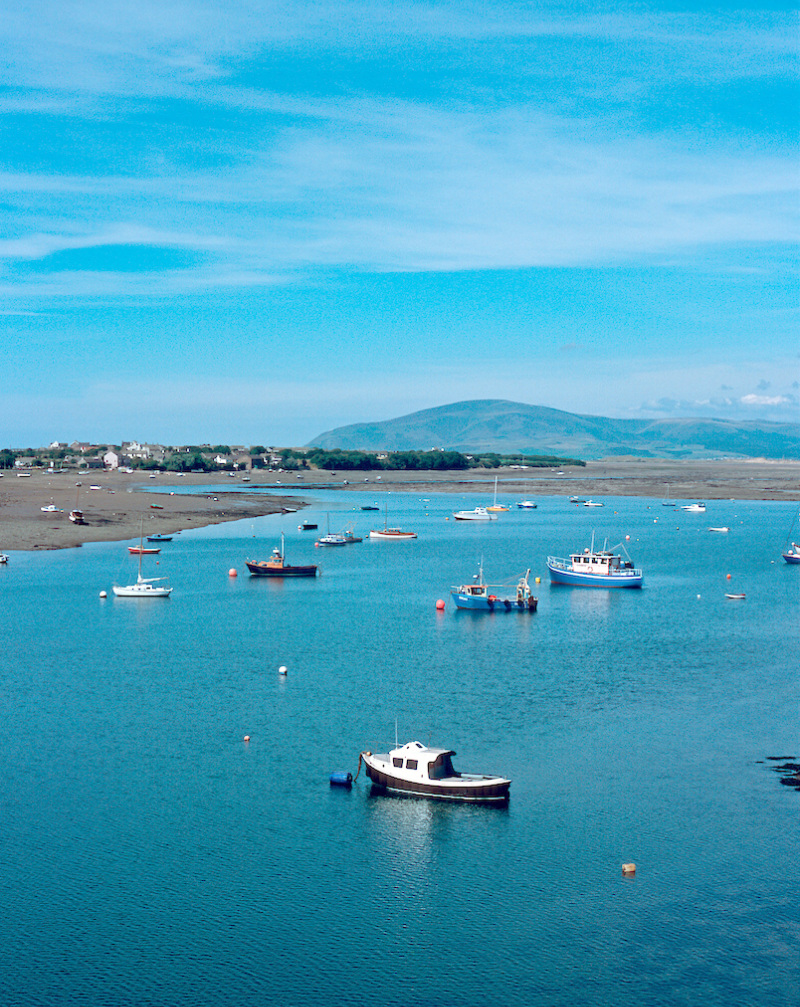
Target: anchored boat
[428,772]
[276,566]
[477,514]
[482,597]
[603,568]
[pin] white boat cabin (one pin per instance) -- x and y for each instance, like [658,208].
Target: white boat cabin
[433,763]
[595,562]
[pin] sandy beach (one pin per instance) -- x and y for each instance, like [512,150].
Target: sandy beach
[123,503]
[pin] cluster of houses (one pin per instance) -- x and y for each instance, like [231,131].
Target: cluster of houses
[93,456]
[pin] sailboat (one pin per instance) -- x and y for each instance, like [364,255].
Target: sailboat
[495,506]
[791,551]
[390,534]
[76,514]
[145,587]
[666,502]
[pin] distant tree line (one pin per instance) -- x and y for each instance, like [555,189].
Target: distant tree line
[449,461]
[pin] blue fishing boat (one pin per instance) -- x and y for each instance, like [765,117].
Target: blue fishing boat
[590,568]
[482,597]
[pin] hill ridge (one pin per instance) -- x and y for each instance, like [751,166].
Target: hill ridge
[475,425]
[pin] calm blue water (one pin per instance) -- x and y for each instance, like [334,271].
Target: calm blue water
[150,856]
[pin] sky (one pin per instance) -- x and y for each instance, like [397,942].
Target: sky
[251,222]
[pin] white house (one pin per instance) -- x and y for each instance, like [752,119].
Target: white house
[111,460]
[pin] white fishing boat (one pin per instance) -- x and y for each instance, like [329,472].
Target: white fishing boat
[428,772]
[145,587]
[476,514]
[590,568]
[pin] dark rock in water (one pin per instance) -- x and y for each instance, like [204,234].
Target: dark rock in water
[789,772]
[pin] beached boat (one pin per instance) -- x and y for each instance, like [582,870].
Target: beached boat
[276,566]
[695,508]
[482,597]
[145,587]
[476,514]
[76,516]
[428,772]
[590,568]
[51,509]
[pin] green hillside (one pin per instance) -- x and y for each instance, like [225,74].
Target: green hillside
[509,427]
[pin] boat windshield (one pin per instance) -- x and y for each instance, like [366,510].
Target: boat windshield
[442,767]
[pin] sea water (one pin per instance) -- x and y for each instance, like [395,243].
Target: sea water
[150,855]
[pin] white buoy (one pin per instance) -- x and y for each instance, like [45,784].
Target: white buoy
[103,594]
[283,670]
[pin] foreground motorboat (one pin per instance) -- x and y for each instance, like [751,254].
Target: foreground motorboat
[590,568]
[695,508]
[428,772]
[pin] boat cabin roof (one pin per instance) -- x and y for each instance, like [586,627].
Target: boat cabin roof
[416,750]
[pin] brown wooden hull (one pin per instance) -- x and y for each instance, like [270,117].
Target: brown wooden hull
[489,793]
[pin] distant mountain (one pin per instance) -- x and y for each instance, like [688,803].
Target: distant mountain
[509,427]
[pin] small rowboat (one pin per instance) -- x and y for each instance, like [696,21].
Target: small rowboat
[140,550]
[736,597]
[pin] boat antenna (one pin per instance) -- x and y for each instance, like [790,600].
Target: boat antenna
[396,742]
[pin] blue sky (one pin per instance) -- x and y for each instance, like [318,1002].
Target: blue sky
[252,222]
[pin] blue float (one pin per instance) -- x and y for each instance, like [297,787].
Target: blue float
[341,779]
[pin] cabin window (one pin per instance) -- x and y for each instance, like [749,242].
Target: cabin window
[411,763]
[398,763]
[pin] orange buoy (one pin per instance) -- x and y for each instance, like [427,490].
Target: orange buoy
[728,577]
[233,572]
[440,605]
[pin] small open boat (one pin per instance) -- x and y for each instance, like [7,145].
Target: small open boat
[159,538]
[736,597]
[142,550]
[428,772]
